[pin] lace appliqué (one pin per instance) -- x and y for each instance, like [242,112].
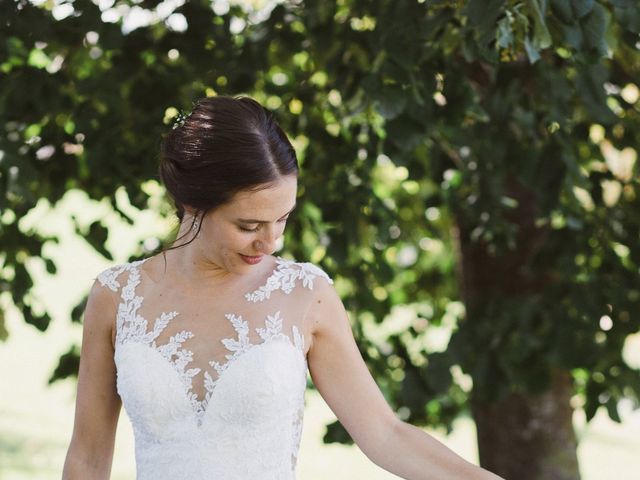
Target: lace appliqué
[284,278]
[237,347]
[108,278]
[162,419]
[297,435]
[132,327]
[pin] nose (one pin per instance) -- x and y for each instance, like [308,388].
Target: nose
[267,242]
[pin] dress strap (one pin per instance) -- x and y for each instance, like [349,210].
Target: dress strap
[111,278]
[284,278]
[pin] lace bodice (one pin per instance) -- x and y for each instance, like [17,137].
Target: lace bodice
[213,385]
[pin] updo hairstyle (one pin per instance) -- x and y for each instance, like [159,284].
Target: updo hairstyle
[226,145]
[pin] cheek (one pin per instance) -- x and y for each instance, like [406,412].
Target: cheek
[226,237]
[236,239]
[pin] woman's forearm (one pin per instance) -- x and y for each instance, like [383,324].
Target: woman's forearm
[78,466]
[413,454]
[74,470]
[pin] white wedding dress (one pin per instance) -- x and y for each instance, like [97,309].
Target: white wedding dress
[214,387]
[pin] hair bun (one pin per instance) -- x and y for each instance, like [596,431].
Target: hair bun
[226,145]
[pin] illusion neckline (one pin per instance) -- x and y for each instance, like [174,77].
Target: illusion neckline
[237,345]
[259,280]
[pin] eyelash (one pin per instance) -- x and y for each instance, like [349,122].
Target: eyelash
[253,230]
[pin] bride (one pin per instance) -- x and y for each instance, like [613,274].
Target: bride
[207,345]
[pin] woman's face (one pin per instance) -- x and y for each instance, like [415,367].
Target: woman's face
[238,234]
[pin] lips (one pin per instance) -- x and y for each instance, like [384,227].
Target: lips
[251,260]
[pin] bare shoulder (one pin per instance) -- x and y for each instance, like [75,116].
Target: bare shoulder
[326,308]
[112,278]
[306,271]
[101,308]
[287,275]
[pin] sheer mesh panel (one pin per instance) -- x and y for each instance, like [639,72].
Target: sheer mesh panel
[202,335]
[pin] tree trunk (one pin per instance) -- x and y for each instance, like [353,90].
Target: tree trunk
[529,437]
[521,436]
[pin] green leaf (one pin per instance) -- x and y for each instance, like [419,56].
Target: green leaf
[573,170]
[594,27]
[38,59]
[575,223]
[41,322]
[438,373]
[337,433]
[50,266]
[483,15]
[541,35]
[477,113]
[391,101]
[590,86]
[612,409]
[413,388]
[504,35]
[573,35]
[475,11]
[405,133]
[78,310]
[532,51]
[68,365]
[582,7]
[562,10]
[97,238]
[628,14]
[3,328]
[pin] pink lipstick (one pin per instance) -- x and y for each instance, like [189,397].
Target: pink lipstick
[251,260]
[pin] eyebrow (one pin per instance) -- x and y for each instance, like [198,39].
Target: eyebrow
[253,220]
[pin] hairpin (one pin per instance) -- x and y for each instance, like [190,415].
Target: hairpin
[180,118]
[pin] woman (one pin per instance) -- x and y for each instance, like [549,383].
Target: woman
[207,346]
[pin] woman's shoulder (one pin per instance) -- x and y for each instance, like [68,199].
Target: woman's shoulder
[304,270]
[288,274]
[114,277]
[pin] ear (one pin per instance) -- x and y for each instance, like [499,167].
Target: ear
[190,213]
[189,210]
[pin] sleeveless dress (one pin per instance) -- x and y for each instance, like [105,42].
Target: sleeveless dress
[214,389]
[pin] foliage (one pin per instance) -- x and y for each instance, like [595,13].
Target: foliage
[416,123]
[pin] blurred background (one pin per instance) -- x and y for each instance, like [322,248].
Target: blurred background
[469,179]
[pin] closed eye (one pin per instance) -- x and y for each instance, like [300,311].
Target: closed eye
[282,220]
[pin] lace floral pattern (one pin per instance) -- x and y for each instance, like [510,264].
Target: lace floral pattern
[250,408]
[284,278]
[108,278]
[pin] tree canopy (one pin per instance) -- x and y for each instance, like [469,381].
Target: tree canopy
[470,165]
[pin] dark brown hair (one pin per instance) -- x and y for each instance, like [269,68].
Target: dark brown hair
[226,145]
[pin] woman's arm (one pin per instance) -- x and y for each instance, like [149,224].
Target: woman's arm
[97,403]
[414,454]
[344,381]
